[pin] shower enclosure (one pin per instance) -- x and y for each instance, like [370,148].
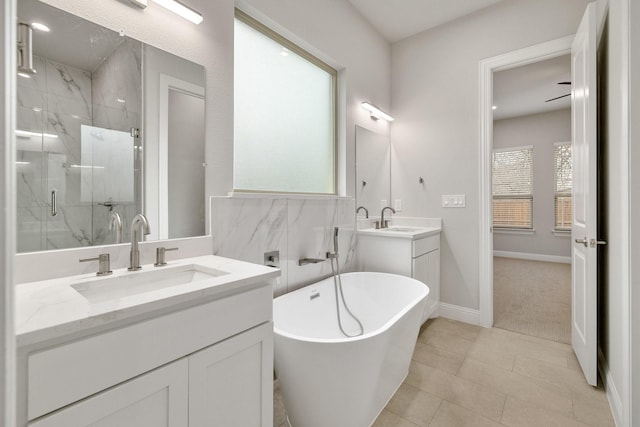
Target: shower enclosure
[79,151]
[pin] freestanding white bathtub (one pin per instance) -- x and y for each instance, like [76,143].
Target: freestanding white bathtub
[327,379]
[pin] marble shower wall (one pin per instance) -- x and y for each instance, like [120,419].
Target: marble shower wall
[245,228]
[110,112]
[57,100]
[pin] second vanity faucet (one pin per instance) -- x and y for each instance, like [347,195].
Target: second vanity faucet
[139,221]
[383,223]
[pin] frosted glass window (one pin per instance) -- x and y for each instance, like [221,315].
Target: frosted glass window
[284,133]
[513,188]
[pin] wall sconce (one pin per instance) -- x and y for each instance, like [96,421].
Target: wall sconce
[376,113]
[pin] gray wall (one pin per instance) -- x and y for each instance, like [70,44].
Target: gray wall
[541,131]
[435,99]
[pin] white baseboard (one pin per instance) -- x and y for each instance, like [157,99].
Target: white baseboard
[462,314]
[612,392]
[533,257]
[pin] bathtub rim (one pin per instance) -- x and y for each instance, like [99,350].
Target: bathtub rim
[425,290]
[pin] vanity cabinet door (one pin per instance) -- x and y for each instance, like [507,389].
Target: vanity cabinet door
[426,268]
[231,383]
[156,399]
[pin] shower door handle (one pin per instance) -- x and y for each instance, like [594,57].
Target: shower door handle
[54,205]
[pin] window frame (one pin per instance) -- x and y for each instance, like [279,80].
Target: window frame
[530,196]
[556,194]
[278,38]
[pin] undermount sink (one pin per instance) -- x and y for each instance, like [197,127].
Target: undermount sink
[104,289]
[402,229]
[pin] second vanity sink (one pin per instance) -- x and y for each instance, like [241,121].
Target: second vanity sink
[103,289]
[401,231]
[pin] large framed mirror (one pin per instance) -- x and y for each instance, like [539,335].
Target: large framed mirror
[107,127]
[373,169]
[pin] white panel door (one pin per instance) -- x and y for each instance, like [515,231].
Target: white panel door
[584,315]
[156,399]
[231,383]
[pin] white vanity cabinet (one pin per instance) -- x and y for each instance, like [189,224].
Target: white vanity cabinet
[409,253]
[222,385]
[199,359]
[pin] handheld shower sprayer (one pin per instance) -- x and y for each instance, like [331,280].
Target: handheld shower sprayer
[335,240]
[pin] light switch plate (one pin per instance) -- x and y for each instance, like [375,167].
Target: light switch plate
[397,205]
[454,201]
[384,203]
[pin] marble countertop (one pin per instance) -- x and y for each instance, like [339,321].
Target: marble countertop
[50,309]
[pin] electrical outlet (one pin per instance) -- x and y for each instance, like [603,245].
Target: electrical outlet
[397,205]
[454,201]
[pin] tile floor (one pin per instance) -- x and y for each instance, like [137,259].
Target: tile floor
[463,375]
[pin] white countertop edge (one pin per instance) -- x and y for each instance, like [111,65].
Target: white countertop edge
[51,309]
[418,234]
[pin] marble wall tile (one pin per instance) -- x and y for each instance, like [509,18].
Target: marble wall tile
[124,62]
[29,229]
[68,81]
[246,228]
[37,81]
[70,228]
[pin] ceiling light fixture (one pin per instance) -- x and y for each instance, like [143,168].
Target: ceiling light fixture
[181,9]
[375,112]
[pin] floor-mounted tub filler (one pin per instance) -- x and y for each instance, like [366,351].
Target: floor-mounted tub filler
[328,379]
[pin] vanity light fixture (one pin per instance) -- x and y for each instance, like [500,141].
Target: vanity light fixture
[375,112]
[181,9]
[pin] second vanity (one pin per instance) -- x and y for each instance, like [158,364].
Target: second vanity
[186,344]
[409,248]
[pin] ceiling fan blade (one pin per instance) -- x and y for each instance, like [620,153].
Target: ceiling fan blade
[564,83]
[553,99]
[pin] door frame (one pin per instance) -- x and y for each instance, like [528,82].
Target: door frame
[536,53]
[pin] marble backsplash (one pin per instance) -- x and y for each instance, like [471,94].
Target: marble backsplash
[245,228]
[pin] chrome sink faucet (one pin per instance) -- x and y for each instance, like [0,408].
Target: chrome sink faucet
[139,221]
[383,223]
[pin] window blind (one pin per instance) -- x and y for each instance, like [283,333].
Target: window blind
[513,188]
[563,185]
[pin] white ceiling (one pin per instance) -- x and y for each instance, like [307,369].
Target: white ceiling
[398,19]
[523,90]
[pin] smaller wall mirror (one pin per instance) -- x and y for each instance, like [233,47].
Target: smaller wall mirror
[373,169]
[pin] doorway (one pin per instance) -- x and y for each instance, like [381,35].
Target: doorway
[532,196]
[488,67]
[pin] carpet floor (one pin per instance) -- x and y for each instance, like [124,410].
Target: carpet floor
[532,298]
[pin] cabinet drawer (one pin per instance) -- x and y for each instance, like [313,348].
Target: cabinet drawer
[65,374]
[425,245]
